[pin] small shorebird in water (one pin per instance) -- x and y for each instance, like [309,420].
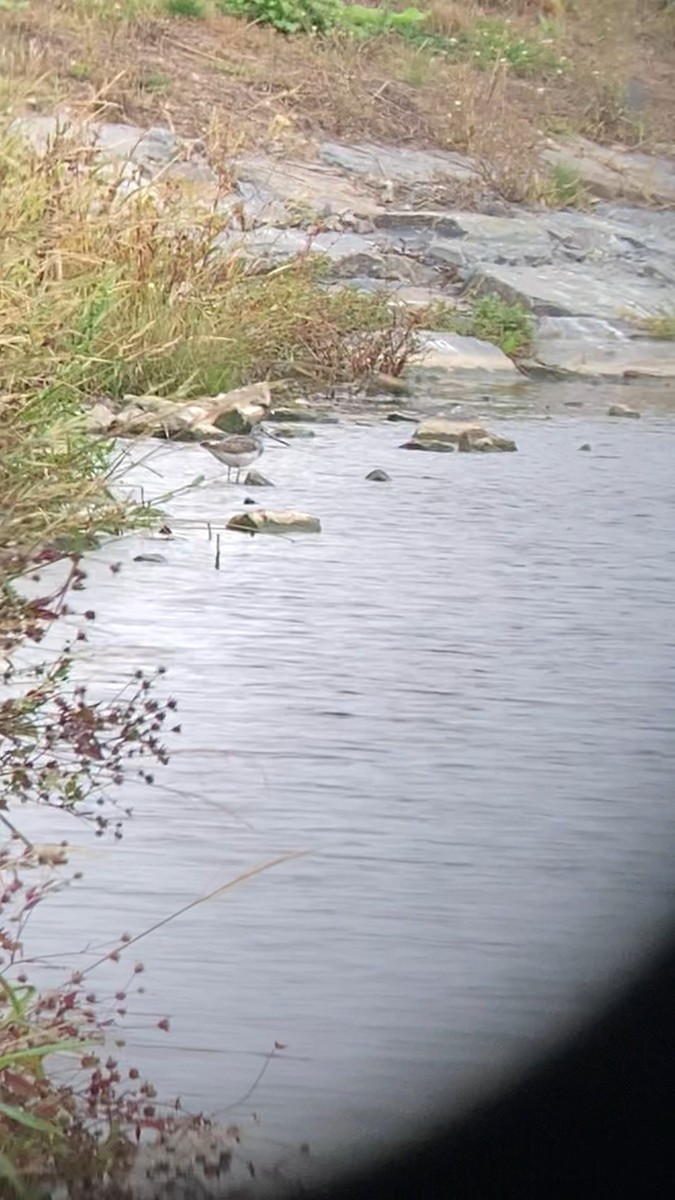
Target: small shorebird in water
[240,450]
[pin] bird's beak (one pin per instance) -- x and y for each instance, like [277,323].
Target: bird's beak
[273,436]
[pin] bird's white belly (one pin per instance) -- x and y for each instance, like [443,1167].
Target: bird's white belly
[239,460]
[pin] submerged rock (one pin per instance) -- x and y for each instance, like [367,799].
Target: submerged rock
[586,446]
[622,410]
[304,413]
[257,479]
[292,431]
[588,346]
[149,558]
[390,385]
[429,444]
[264,521]
[441,434]
[378,476]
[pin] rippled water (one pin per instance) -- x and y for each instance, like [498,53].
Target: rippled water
[459,699]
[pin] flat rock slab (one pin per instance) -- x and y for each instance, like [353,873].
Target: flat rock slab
[152,150]
[264,521]
[314,186]
[382,164]
[440,434]
[591,347]
[575,291]
[614,171]
[451,352]
[349,254]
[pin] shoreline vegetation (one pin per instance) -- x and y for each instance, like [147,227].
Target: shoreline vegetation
[106,294]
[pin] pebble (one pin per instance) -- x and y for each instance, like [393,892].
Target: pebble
[622,410]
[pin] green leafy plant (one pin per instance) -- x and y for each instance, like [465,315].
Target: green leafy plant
[185,8]
[368,22]
[491,318]
[509,326]
[287,16]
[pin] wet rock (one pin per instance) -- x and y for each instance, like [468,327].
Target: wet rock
[288,432]
[441,434]
[450,352]
[264,521]
[586,446]
[155,416]
[149,558]
[623,410]
[572,290]
[402,416]
[250,500]
[432,444]
[390,385]
[587,346]
[239,410]
[303,413]
[378,476]
[207,417]
[199,432]
[257,479]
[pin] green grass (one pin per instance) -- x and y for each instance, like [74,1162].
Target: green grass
[565,188]
[661,326]
[509,326]
[491,319]
[488,42]
[103,296]
[186,8]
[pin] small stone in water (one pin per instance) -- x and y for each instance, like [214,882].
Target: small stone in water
[150,558]
[378,476]
[257,479]
[622,410]
[250,500]
[586,446]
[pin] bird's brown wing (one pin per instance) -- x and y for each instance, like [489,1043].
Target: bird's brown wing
[238,444]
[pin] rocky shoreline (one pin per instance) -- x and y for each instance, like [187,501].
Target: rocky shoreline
[382,220]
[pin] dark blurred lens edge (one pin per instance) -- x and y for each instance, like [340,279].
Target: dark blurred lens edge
[597,1116]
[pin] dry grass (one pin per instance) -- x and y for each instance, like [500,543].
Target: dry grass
[131,62]
[103,293]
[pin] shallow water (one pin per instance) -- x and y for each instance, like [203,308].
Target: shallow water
[459,700]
